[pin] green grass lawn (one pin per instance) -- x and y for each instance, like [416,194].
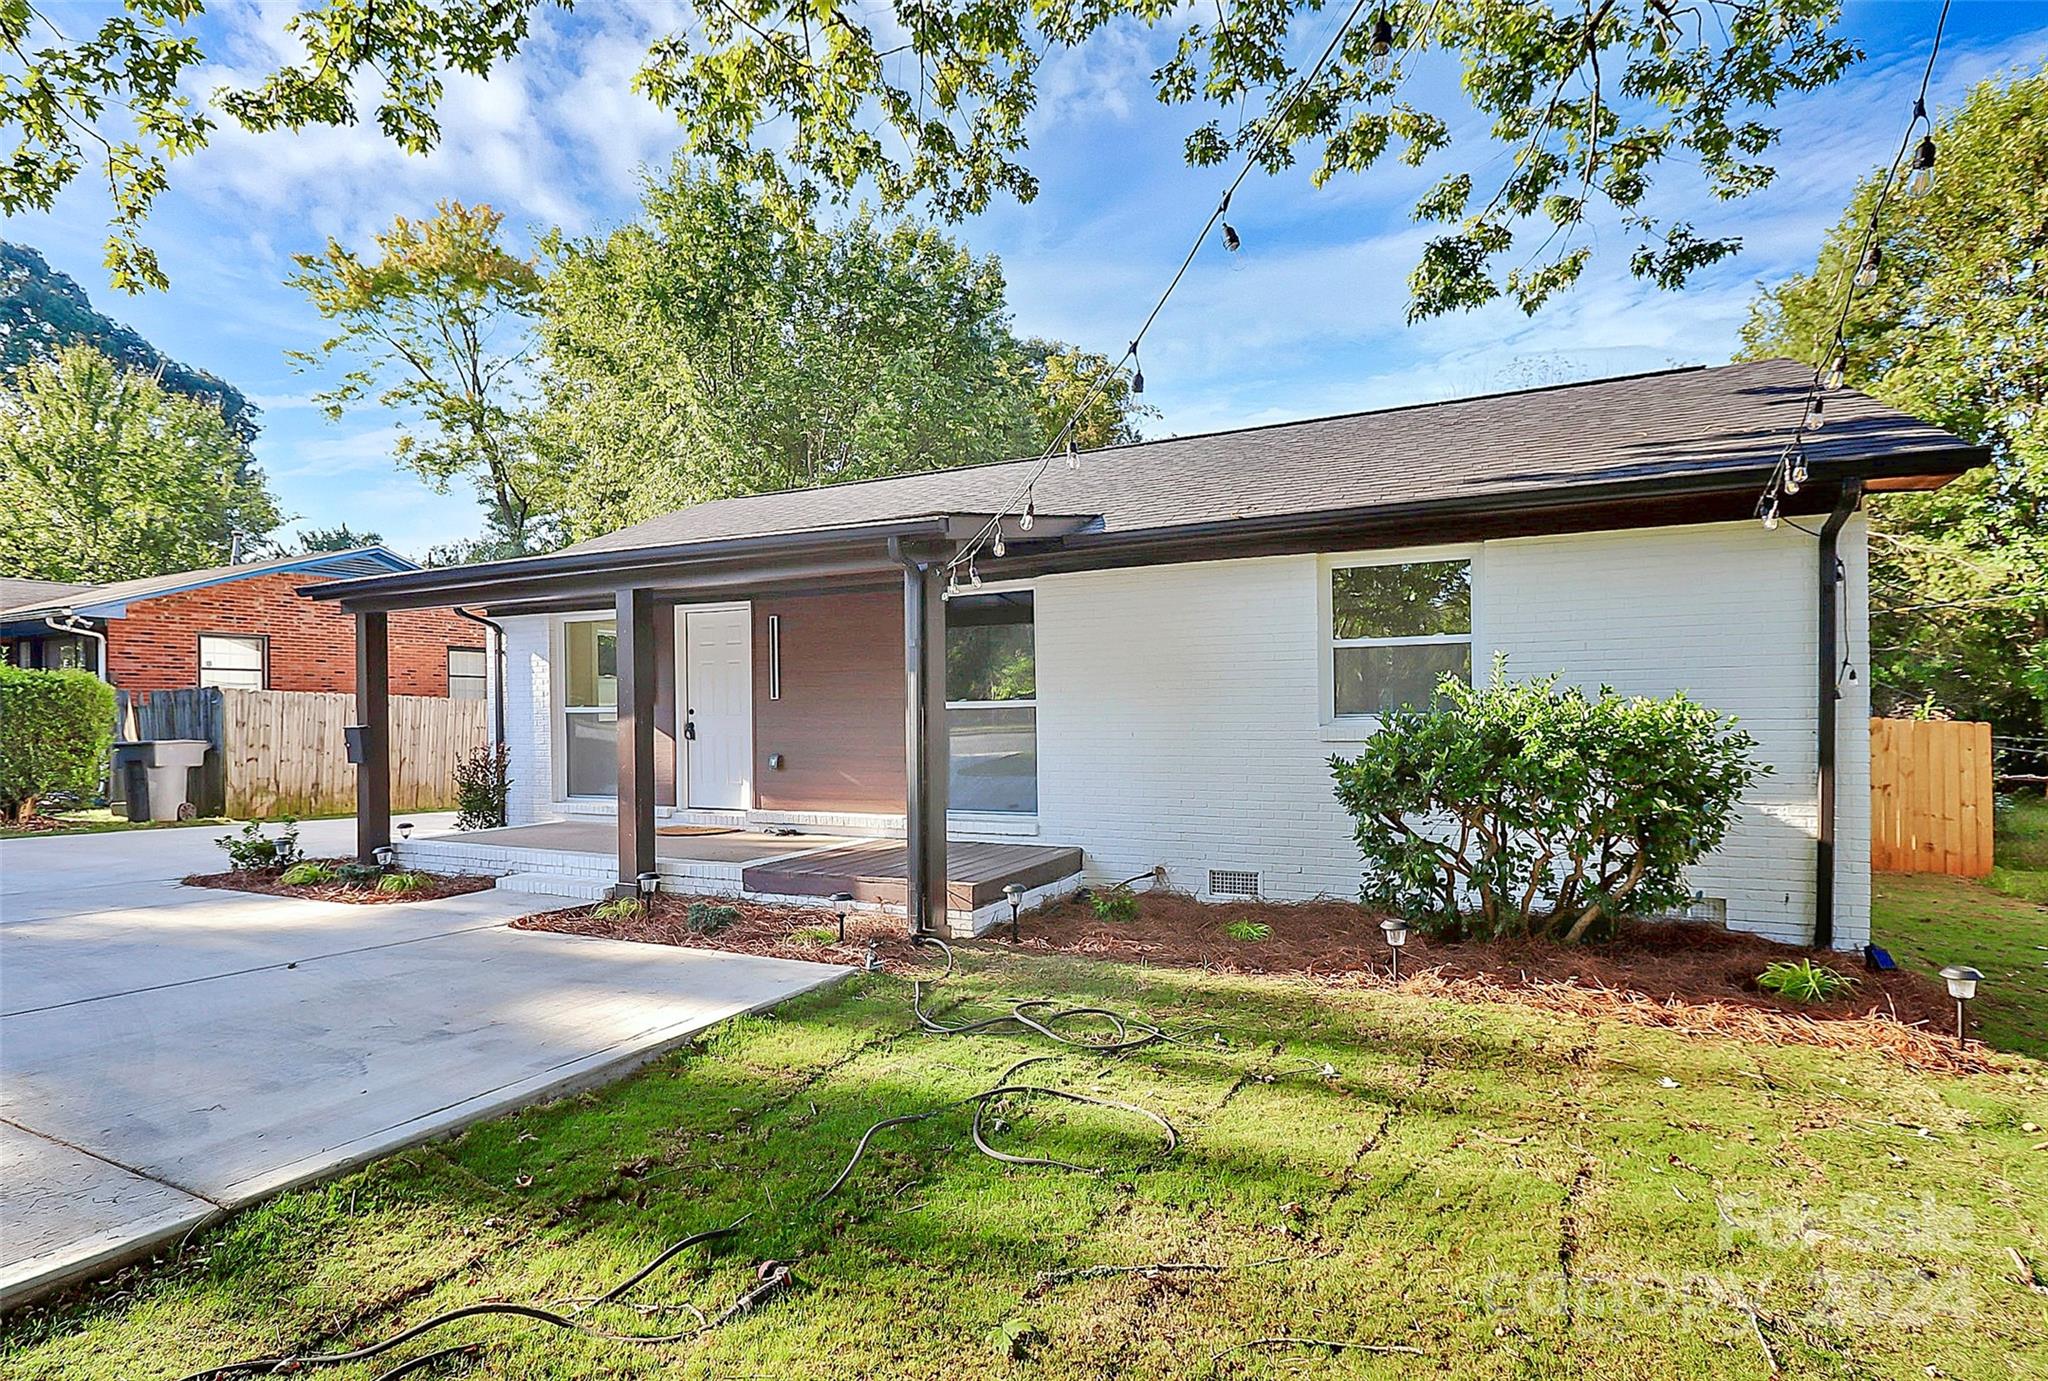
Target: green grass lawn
[1509,1193]
[1998,926]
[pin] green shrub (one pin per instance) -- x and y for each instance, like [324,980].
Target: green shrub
[251,849]
[815,935]
[1249,931]
[56,734]
[706,918]
[483,784]
[358,874]
[1804,981]
[1534,809]
[397,884]
[1117,903]
[307,875]
[620,909]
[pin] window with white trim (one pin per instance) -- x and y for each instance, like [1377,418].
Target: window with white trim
[469,674]
[231,662]
[1396,630]
[992,704]
[590,706]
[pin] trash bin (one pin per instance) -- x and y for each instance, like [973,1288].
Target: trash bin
[156,776]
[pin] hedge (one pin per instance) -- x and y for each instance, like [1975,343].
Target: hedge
[56,732]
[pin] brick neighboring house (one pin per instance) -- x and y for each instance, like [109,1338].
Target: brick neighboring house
[243,627]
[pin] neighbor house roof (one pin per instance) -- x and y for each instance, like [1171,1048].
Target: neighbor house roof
[20,590]
[1677,446]
[111,601]
[1669,427]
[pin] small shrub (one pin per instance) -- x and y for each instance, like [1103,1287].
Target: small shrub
[1804,981]
[1249,931]
[815,935]
[56,732]
[620,909]
[358,874]
[307,874]
[252,849]
[397,884]
[483,785]
[706,918]
[1530,809]
[1117,903]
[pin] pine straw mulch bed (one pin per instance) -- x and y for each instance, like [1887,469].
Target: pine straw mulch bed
[772,930]
[1694,979]
[268,880]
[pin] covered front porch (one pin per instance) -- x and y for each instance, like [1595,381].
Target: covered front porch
[780,744]
[575,858]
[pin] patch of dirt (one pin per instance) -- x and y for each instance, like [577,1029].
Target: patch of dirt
[772,930]
[269,881]
[1688,977]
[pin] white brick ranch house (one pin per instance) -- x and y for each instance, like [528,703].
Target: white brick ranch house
[1155,673]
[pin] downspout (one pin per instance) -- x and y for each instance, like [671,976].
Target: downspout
[77,628]
[497,630]
[1829,691]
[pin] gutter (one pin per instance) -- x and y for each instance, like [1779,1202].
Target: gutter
[1828,689]
[78,628]
[497,655]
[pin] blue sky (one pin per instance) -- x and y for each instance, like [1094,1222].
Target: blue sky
[1307,320]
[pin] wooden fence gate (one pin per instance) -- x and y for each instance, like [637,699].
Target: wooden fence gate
[282,752]
[1930,797]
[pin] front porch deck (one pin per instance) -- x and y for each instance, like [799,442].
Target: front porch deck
[577,858]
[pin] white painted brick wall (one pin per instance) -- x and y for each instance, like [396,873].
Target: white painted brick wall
[527,715]
[1180,706]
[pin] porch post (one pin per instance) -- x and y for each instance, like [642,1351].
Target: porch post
[635,614]
[373,713]
[925,753]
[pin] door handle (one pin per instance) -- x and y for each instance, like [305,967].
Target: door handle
[690,725]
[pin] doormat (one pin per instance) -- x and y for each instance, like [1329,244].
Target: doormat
[673,830]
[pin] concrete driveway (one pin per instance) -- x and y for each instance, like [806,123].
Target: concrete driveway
[170,1052]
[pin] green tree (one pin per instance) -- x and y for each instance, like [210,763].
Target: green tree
[43,310]
[1068,377]
[1955,331]
[437,327]
[709,350]
[930,103]
[107,475]
[340,537]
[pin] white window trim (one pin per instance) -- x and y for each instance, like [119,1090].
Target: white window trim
[1350,728]
[558,703]
[1005,821]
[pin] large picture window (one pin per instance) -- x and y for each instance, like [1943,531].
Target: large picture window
[231,662]
[992,703]
[1395,631]
[590,706]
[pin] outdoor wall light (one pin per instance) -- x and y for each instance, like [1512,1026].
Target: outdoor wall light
[650,883]
[841,901]
[1396,931]
[405,829]
[385,855]
[1013,893]
[1962,986]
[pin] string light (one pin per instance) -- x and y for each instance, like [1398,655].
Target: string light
[1231,241]
[1791,471]
[1030,514]
[1382,45]
[1256,151]
[997,548]
[1921,181]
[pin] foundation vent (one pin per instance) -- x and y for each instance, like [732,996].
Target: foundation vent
[1226,883]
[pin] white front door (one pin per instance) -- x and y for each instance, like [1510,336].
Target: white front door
[718,708]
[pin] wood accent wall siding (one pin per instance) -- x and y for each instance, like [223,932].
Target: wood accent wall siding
[839,723]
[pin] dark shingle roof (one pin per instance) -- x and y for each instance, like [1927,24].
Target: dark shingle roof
[91,599]
[20,590]
[1677,424]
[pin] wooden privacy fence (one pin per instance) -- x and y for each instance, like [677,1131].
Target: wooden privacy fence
[282,752]
[1930,797]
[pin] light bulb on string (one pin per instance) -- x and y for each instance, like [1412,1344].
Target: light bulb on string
[1030,514]
[1231,241]
[1838,366]
[1814,419]
[1137,370]
[1770,514]
[1866,272]
[1073,456]
[1382,47]
[997,548]
[974,575]
[1797,475]
[1920,181]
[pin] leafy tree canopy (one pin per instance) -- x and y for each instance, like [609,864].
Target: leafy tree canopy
[709,349]
[105,474]
[43,310]
[929,103]
[340,537]
[1953,331]
[435,328]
